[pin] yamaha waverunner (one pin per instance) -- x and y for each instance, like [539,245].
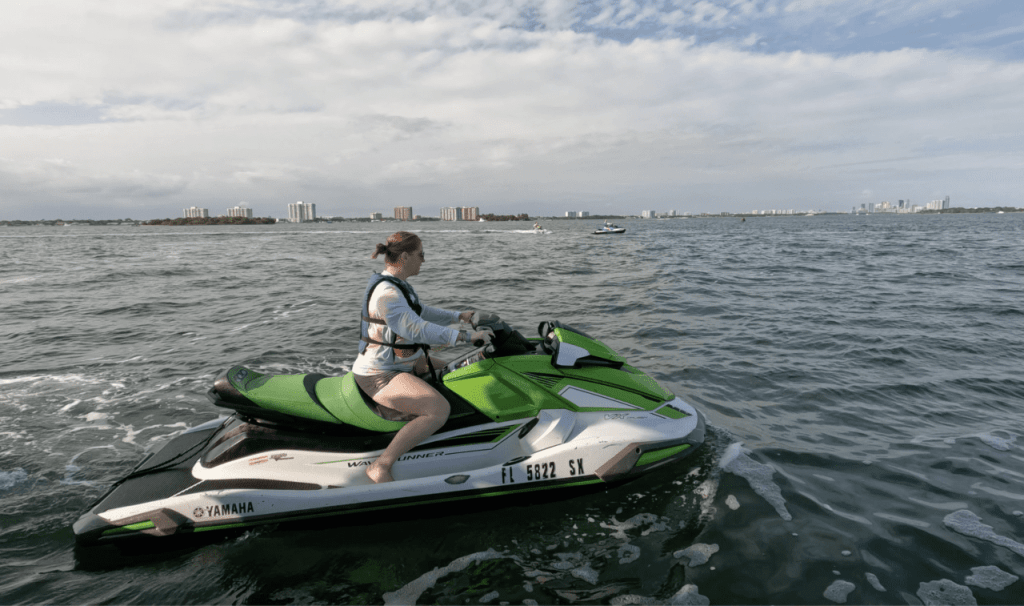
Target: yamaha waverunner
[559,412]
[609,228]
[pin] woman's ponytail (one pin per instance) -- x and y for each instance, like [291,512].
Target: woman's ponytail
[398,243]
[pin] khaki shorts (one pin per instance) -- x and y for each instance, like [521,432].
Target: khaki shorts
[372,385]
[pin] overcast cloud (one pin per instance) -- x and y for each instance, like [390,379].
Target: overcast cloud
[113,109]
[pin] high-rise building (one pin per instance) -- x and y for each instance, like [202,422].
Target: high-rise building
[570,214]
[376,216]
[648,214]
[240,211]
[460,213]
[196,212]
[403,213]
[301,212]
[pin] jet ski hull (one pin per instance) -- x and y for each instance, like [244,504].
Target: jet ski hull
[236,473]
[562,413]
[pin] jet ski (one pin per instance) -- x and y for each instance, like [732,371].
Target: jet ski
[609,228]
[558,412]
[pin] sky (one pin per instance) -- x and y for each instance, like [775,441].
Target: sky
[120,108]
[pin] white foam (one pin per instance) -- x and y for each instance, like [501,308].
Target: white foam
[71,468]
[759,476]
[636,521]
[698,553]
[631,599]
[94,417]
[628,553]
[945,593]
[8,479]
[968,524]
[838,591]
[997,442]
[991,577]
[411,592]
[585,573]
[68,407]
[74,379]
[732,503]
[873,580]
[687,595]
[489,597]
[707,490]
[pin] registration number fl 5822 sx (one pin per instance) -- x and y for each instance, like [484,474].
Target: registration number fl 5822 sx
[550,470]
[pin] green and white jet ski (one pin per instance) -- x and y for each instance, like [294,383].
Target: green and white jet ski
[558,412]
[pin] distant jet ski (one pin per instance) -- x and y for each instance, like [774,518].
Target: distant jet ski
[560,412]
[609,228]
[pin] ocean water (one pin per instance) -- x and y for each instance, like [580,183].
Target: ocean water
[862,378]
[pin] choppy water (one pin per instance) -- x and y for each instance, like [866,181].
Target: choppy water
[861,376]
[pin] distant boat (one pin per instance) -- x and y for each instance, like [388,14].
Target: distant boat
[608,228]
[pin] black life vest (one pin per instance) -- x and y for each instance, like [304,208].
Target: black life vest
[364,327]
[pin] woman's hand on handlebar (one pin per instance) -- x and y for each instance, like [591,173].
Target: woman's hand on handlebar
[466,317]
[481,337]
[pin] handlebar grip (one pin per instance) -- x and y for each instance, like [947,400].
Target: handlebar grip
[478,342]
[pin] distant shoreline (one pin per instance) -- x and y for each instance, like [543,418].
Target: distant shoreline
[271,221]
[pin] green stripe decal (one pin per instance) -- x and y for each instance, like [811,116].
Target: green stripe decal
[131,527]
[225,526]
[509,430]
[657,455]
[671,412]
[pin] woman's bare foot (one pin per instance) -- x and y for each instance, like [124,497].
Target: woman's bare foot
[378,474]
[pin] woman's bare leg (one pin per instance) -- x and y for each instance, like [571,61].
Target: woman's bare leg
[411,395]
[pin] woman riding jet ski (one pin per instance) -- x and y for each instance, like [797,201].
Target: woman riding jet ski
[558,411]
[609,228]
[389,367]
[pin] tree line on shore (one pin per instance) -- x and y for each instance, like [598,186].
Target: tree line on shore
[493,217]
[213,221]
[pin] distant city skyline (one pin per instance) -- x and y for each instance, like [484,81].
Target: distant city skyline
[301,212]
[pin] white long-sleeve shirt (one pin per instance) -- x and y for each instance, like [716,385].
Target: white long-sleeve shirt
[389,304]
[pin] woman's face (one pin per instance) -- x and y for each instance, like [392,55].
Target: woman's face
[414,261]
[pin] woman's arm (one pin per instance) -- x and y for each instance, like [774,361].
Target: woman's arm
[404,322]
[440,316]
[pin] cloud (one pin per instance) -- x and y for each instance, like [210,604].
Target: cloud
[271,102]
